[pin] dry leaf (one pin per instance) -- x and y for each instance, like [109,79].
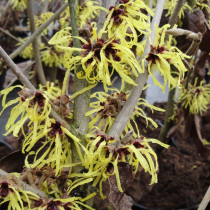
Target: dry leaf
[119,199]
[13,162]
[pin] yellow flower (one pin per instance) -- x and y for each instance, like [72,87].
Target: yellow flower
[39,20]
[87,11]
[202,4]
[99,58]
[103,153]
[34,109]
[162,56]
[50,90]
[51,56]
[31,106]
[55,151]
[128,16]
[28,51]
[106,107]
[195,98]
[19,4]
[15,196]
[64,19]
[171,4]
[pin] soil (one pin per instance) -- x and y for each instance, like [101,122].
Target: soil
[183,178]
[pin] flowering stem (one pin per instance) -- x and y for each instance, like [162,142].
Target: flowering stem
[35,44]
[82,101]
[171,102]
[127,110]
[174,16]
[24,80]
[169,113]
[37,32]
[9,34]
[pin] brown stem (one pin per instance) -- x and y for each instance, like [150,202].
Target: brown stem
[16,70]
[35,44]
[174,16]
[9,34]
[169,113]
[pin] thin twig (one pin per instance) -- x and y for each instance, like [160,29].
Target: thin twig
[45,6]
[174,17]
[35,44]
[125,114]
[16,70]
[5,10]
[27,68]
[205,201]
[38,32]
[171,96]
[192,48]
[9,34]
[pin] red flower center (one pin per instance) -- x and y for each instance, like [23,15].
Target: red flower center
[56,128]
[4,189]
[39,98]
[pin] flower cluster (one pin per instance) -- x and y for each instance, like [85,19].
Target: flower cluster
[162,56]
[128,19]
[34,108]
[196,98]
[106,107]
[99,58]
[28,51]
[15,196]
[19,5]
[87,11]
[103,154]
[18,198]
[39,20]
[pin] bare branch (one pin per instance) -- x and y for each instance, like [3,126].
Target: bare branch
[35,44]
[9,34]
[16,70]
[205,200]
[81,102]
[174,16]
